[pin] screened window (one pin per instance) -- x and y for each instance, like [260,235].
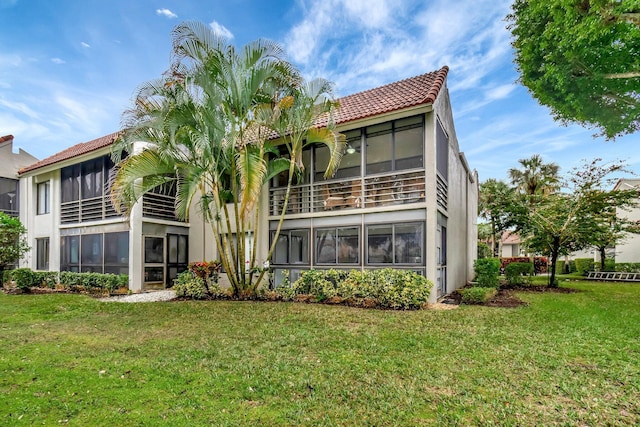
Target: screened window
[338,245]
[70,253]
[116,253]
[442,152]
[395,145]
[70,187]
[9,196]
[42,254]
[91,253]
[352,159]
[401,243]
[292,247]
[43,198]
[153,250]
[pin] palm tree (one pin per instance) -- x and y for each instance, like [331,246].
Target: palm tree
[535,177]
[209,124]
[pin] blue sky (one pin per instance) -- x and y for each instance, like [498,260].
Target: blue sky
[69,68]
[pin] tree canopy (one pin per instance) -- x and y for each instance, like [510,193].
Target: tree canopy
[12,241]
[209,127]
[582,60]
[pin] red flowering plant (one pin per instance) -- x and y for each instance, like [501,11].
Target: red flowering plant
[207,271]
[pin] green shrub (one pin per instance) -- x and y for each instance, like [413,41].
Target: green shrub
[189,285]
[388,288]
[583,265]
[519,273]
[314,282]
[92,282]
[628,267]
[477,294]
[487,272]
[25,278]
[48,279]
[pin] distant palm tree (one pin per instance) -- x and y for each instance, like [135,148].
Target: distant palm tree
[209,124]
[535,177]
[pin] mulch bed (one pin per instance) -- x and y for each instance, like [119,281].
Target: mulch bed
[506,297]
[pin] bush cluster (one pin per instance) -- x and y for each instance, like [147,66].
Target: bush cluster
[25,279]
[477,295]
[384,288]
[189,284]
[487,272]
[519,273]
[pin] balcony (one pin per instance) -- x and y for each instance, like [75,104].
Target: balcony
[351,194]
[159,206]
[93,209]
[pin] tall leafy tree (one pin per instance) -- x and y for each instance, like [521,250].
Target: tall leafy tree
[564,221]
[494,205]
[581,58]
[209,124]
[13,244]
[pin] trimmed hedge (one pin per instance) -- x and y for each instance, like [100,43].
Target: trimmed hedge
[384,288]
[519,273]
[583,265]
[25,279]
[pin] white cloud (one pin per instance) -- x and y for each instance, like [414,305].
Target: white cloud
[221,29]
[167,13]
[19,107]
[58,61]
[86,45]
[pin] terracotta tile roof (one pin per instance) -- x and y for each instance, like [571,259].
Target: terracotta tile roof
[510,238]
[6,138]
[419,90]
[422,89]
[75,151]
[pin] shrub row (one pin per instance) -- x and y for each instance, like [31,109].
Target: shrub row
[384,288]
[25,279]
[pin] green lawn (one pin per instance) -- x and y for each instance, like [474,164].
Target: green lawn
[566,359]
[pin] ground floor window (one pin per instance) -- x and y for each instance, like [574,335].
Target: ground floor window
[292,247]
[401,243]
[98,253]
[42,254]
[340,245]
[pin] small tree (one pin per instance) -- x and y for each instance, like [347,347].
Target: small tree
[13,244]
[562,222]
[493,205]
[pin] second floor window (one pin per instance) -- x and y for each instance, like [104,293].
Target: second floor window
[44,198]
[86,180]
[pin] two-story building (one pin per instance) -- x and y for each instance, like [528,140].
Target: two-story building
[10,163]
[403,197]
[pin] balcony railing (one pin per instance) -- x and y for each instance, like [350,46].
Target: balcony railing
[93,209]
[159,206]
[382,190]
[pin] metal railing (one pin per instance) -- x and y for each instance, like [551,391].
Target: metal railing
[159,206]
[381,190]
[93,209]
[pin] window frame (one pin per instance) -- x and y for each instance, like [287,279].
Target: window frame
[337,239]
[43,253]
[393,236]
[43,198]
